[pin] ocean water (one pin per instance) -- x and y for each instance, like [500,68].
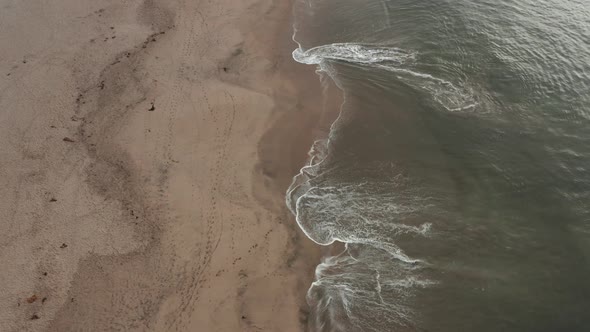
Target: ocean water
[458,171]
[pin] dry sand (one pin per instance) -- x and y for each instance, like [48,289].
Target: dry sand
[145,150]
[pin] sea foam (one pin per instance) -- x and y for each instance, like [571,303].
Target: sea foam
[453,97]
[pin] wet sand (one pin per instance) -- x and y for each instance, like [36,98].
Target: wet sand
[146,148]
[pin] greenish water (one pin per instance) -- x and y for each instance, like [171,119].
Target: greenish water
[458,171]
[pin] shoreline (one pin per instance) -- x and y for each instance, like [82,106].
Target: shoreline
[160,155]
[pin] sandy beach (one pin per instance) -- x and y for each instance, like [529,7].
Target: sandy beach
[146,148]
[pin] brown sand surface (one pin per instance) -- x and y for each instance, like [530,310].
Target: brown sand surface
[145,149]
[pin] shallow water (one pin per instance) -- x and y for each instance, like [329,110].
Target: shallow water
[457,171]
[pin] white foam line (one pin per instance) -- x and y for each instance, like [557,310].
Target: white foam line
[351,52]
[387,58]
